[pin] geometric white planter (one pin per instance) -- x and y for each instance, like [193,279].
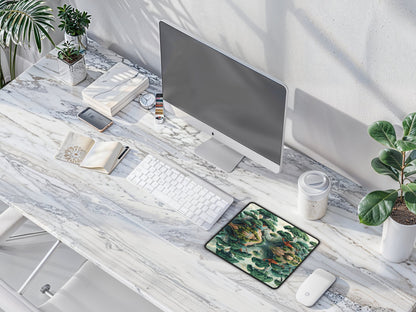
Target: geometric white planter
[397,241]
[72,73]
[77,41]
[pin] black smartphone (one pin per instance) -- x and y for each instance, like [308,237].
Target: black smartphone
[95,119]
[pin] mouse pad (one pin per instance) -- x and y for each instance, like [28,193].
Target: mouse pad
[262,244]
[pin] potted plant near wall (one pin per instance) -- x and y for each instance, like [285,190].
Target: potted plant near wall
[395,207]
[72,69]
[22,22]
[75,24]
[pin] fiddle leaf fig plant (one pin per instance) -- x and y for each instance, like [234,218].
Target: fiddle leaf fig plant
[398,161]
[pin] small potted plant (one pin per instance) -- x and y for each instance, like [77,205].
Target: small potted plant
[395,207]
[75,24]
[72,67]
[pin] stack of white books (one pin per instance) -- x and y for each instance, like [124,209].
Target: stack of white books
[112,91]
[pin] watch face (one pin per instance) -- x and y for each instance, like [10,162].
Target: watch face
[147,100]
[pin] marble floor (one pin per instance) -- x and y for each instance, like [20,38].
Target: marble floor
[19,257]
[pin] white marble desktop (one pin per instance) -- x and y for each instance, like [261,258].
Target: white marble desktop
[150,247]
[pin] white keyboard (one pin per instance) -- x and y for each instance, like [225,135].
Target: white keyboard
[199,201]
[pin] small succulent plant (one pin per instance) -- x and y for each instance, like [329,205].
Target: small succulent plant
[69,53]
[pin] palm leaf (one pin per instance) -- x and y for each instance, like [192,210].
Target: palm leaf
[25,21]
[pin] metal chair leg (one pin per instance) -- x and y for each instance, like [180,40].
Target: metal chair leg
[39,266]
[25,235]
[45,289]
[10,220]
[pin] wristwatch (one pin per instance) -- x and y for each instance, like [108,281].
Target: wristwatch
[147,100]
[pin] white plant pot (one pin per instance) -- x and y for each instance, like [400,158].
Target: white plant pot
[72,73]
[397,241]
[78,41]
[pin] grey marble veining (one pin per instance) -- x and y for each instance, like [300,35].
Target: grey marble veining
[150,247]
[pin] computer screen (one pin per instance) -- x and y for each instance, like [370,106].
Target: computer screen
[223,93]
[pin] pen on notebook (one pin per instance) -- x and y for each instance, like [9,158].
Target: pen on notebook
[123,153]
[120,157]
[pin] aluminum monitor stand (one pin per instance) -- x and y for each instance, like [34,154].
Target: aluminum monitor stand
[219,154]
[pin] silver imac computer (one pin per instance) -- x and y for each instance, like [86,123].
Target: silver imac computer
[242,109]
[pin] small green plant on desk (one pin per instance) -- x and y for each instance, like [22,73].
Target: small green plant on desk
[75,24]
[72,68]
[69,53]
[73,21]
[398,161]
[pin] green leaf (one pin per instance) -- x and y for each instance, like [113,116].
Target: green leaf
[391,158]
[22,23]
[381,168]
[410,170]
[409,125]
[376,206]
[408,143]
[410,196]
[383,132]
[411,163]
[411,157]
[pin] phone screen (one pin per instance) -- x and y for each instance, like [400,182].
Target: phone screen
[95,119]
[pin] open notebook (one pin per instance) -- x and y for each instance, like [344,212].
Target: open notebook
[85,152]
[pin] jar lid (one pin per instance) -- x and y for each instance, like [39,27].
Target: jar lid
[314,184]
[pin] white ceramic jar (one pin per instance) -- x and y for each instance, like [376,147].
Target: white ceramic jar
[313,191]
[398,240]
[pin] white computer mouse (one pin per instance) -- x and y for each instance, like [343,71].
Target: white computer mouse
[314,287]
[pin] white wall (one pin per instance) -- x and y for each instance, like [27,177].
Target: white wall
[346,63]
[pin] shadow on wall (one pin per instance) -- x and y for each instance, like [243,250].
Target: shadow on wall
[346,140]
[130,27]
[332,45]
[275,29]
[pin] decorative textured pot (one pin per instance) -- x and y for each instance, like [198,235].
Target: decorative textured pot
[397,241]
[78,41]
[72,73]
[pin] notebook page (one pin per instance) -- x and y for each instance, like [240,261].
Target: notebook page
[102,156]
[74,148]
